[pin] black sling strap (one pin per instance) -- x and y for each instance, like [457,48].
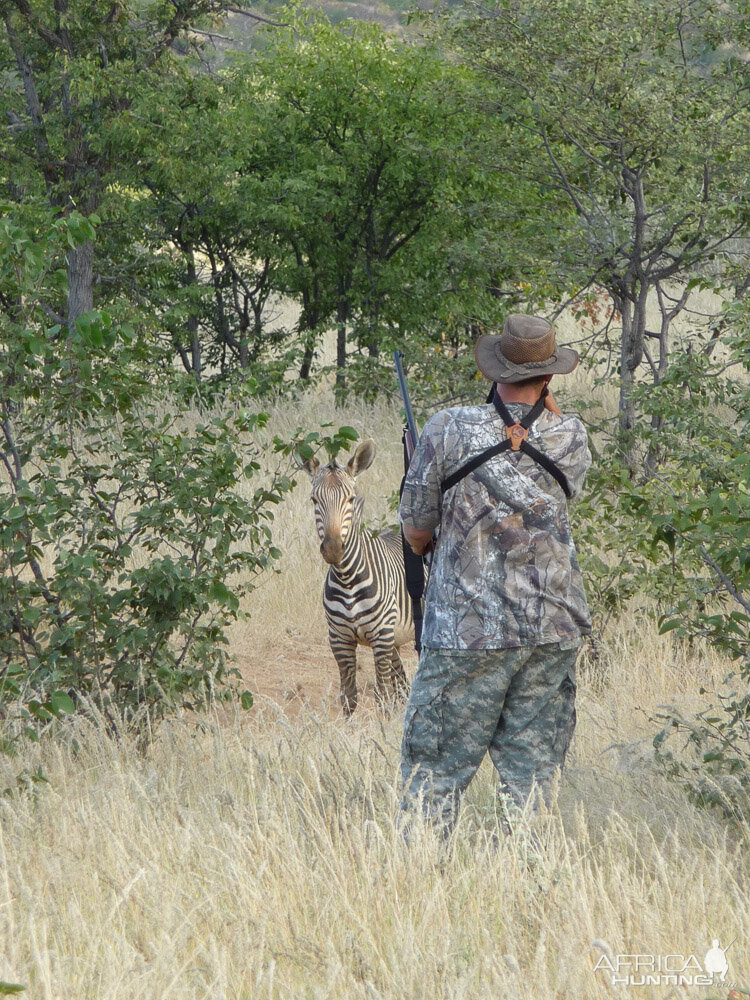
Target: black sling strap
[414,567]
[517,433]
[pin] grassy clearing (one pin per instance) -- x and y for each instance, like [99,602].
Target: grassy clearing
[259,858]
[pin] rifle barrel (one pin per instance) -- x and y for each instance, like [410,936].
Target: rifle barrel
[410,421]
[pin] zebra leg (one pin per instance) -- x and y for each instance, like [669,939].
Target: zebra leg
[399,682]
[388,671]
[344,649]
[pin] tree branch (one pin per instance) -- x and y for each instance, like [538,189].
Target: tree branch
[563,177]
[727,583]
[34,107]
[46,34]
[255,17]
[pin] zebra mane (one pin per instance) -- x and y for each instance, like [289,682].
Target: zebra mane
[333,470]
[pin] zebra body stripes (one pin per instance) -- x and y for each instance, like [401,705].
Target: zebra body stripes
[364,596]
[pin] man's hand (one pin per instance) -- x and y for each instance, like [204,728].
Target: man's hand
[419,539]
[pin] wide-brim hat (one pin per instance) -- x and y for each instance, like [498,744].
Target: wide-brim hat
[525,349]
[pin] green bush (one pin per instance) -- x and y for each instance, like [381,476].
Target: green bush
[679,534]
[128,533]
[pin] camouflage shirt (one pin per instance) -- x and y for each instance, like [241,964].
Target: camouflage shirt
[505,572]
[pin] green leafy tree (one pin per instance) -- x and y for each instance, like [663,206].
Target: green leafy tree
[127,537]
[206,266]
[71,69]
[358,157]
[635,118]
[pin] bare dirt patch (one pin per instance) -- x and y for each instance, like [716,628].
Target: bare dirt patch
[294,670]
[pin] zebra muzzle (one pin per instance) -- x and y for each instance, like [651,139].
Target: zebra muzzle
[332,550]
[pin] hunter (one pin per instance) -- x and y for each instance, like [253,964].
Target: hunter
[505,608]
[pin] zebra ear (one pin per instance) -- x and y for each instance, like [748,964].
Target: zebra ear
[310,465]
[362,458]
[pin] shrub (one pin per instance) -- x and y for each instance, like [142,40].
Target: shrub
[128,533]
[680,534]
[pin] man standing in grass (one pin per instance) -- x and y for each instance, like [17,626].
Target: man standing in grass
[505,608]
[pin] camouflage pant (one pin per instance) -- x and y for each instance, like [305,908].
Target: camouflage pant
[518,704]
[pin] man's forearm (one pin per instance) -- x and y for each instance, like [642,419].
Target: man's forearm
[418,538]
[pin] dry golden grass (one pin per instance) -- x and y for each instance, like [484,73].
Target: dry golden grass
[257,856]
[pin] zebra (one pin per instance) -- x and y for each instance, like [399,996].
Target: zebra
[364,596]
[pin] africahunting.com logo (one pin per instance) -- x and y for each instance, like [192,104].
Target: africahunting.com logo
[667,970]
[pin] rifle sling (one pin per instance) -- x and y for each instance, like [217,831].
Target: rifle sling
[517,431]
[414,569]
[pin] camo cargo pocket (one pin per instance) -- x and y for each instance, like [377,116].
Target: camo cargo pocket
[565,721]
[423,729]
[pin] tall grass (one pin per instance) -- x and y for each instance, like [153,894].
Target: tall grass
[257,856]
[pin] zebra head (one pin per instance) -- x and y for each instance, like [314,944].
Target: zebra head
[337,505]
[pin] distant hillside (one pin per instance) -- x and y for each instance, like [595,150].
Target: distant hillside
[244,32]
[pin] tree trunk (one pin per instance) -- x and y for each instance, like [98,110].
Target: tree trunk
[661,366]
[80,282]
[634,302]
[627,369]
[631,355]
[244,353]
[80,266]
[342,315]
[340,387]
[192,323]
[307,360]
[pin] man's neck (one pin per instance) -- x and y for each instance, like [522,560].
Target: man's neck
[510,393]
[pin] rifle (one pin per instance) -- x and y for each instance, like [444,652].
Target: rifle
[410,431]
[414,565]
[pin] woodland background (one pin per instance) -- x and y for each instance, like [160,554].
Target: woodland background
[217,223]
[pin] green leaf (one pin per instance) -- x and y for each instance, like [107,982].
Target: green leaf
[246,700]
[61,701]
[670,625]
[38,710]
[218,591]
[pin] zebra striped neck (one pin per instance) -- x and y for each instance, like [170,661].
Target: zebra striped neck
[354,565]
